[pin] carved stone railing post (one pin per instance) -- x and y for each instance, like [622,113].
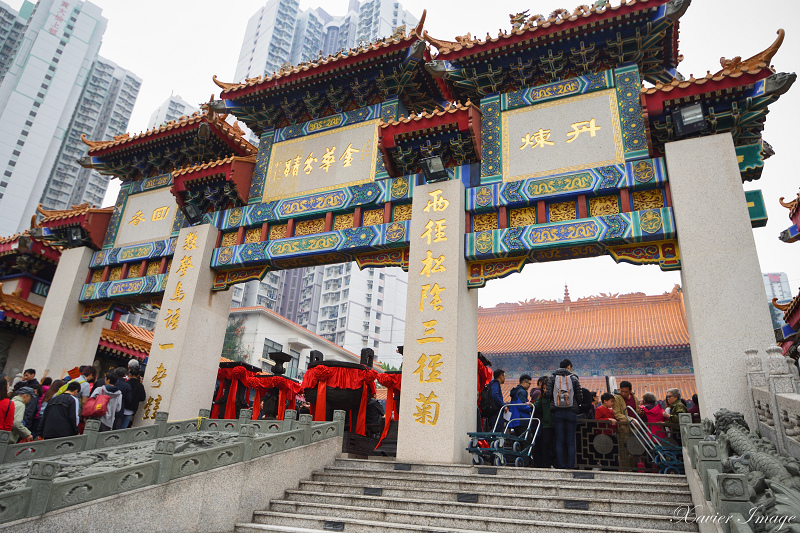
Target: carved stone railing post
[691,433]
[730,493]
[338,417]
[247,433]
[90,433]
[5,440]
[289,420]
[305,425]
[756,375]
[780,382]
[163,453]
[204,415]
[40,480]
[707,459]
[161,423]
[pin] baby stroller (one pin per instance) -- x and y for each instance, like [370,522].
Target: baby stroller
[503,447]
[665,455]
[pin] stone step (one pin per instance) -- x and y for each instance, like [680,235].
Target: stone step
[588,488]
[464,515]
[505,472]
[340,524]
[367,520]
[351,495]
[513,475]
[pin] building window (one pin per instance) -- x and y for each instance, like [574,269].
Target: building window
[376,343]
[378,315]
[377,329]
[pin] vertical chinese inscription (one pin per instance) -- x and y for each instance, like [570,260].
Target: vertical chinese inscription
[430,306]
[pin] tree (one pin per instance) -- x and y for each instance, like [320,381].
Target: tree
[233,347]
[386,367]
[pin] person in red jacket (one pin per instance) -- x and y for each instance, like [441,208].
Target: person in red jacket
[6,406]
[605,411]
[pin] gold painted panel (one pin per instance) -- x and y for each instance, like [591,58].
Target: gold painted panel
[322,161]
[153,267]
[277,232]
[562,136]
[372,218]
[309,227]
[603,205]
[116,273]
[252,235]
[133,271]
[484,222]
[563,211]
[652,199]
[169,266]
[97,276]
[402,213]
[229,239]
[525,216]
[343,221]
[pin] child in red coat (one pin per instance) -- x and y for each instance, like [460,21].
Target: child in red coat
[605,411]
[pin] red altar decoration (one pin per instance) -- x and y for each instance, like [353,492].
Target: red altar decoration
[321,377]
[287,390]
[392,383]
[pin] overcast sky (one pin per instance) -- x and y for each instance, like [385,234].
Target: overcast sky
[175,46]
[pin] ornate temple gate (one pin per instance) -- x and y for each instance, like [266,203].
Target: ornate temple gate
[564,157]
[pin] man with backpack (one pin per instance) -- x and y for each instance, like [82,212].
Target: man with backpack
[519,395]
[565,395]
[491,399]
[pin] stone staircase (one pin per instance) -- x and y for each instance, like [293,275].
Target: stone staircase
[369,496]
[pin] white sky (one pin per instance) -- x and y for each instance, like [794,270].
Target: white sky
[177,45]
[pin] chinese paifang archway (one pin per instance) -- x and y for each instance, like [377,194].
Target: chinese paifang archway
[552,149]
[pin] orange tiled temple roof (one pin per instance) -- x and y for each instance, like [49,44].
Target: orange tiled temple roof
[16,304]
[212,164]
[719,76]
[234,132]
[450,109]
[128,336]
[595,323]
[77,210]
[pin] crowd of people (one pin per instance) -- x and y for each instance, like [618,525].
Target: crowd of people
[31,410]
[558,401]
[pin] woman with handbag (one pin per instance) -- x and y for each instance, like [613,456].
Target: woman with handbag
[104,403]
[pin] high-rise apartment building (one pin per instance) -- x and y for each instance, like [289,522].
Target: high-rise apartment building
[280,33]
[38,94]
[776,284]
[12,26]
[103,111]
[352,308]
[173,108]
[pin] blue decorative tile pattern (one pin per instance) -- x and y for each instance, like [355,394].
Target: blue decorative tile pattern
[149,184]
[560,89]
[490,137]
[113,223]
[262,166]
[124,288]
[630,111]
[642,226]
[133,253]
[644,173]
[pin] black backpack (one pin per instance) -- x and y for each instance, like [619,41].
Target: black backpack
[486,403]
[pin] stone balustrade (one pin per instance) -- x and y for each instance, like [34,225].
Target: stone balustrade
[149,455]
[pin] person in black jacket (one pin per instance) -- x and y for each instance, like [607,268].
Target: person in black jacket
[61,416]
[123,418]
[137,389]
[565,395]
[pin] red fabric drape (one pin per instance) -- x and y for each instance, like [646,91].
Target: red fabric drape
[484,375]
[220,391]
[321,377]
[392,383]
[287,390]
